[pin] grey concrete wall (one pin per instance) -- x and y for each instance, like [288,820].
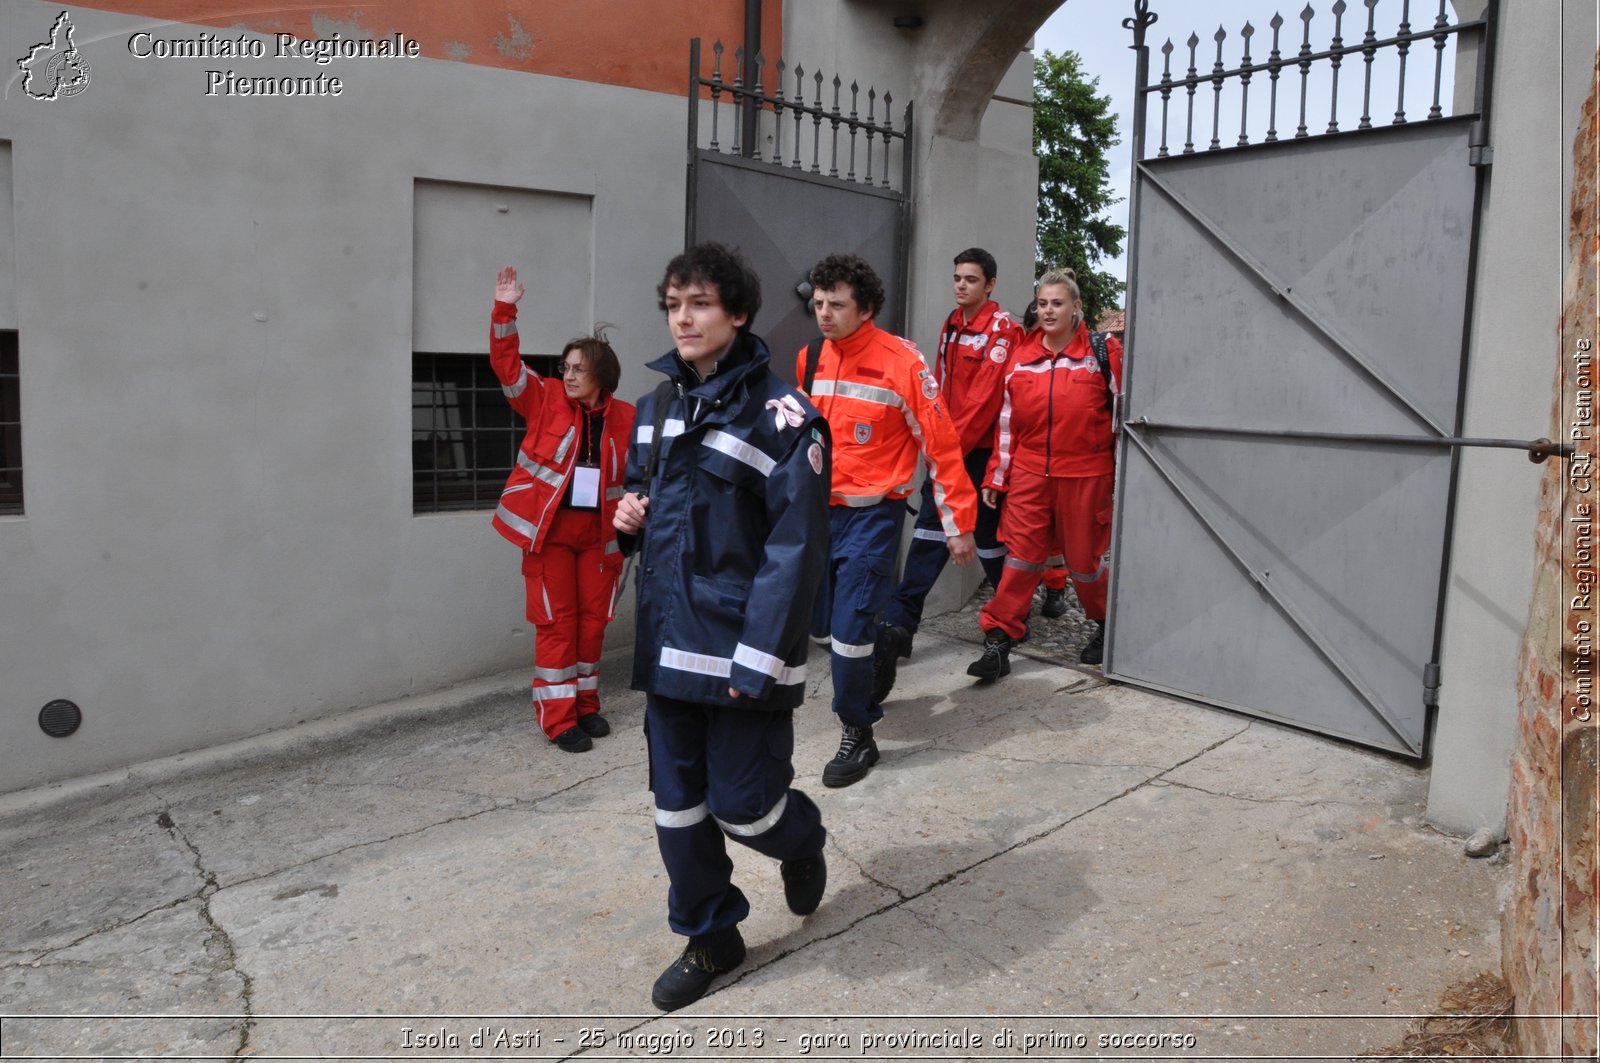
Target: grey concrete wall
[1514,318]
[215,310]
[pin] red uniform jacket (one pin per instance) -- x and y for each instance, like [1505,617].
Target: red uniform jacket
[551,445]
[1055,417]
[971,370]
[882,405]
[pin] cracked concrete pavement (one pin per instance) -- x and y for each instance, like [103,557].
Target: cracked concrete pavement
[1048,856]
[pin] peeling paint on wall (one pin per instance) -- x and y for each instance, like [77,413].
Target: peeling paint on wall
[519,45]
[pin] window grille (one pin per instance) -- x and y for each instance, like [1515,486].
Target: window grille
[464,434]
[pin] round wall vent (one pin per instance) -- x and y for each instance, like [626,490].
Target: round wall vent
[60,718]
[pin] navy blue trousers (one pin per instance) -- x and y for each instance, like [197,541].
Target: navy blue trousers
[722,771]
[929,550]
[860,581]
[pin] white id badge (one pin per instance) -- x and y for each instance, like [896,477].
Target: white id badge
[585,487]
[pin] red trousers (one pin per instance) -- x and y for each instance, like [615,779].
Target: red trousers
[570,592]
[1069,516]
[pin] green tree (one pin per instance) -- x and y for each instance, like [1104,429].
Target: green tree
[1073,130]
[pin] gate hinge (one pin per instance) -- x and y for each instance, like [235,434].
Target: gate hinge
[1479,151]
[1430,684]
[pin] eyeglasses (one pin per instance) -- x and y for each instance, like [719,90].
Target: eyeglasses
[573,369]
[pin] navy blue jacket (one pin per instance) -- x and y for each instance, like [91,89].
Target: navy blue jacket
[735,542]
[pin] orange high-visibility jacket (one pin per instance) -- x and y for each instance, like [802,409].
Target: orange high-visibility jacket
[882,405]
[551,445]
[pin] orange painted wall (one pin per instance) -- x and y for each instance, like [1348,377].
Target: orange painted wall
[642,44]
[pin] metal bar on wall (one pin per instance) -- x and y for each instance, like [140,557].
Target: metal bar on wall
[906,164]
[1537,449]
[694,142]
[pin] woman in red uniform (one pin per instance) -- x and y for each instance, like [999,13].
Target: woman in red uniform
[1054,461]
[558,505]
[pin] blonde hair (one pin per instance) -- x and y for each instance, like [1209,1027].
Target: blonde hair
[1060,275]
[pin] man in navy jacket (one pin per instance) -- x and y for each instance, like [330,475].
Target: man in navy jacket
[726,504]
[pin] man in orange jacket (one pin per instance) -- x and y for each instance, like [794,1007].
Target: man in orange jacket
[882,404]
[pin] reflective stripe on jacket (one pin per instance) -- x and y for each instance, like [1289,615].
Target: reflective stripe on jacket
[735,541]
[882,403]
[550,446]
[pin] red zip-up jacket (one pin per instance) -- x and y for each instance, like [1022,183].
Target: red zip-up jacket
[883,408]
[551,445]
[1055,416]
[971,370]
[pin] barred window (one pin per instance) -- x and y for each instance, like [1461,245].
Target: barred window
[464,434]
[10,426]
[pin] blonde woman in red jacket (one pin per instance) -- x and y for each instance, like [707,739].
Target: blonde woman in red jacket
[558,505]
[1054,461]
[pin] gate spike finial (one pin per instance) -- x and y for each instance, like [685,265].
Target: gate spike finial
[1143,18]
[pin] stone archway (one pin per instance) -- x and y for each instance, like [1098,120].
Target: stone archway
[980,45]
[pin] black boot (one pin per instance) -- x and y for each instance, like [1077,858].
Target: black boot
[1095,649]
[857,754]
[690,975]
[894,642]
[996,659]
[1055,603]
[803,883]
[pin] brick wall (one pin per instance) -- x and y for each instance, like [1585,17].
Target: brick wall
[1550,923]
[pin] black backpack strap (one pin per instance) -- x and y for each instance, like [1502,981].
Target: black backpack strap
[1102,358]
[813,352]
[663,399]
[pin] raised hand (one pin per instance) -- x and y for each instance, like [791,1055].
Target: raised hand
[507,289]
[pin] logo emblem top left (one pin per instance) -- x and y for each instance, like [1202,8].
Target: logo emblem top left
[55,69]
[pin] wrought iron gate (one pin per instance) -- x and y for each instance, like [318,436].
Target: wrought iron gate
[818,176]
[1297,318]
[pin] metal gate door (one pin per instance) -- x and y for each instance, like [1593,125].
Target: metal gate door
[1297,318]
[790,177]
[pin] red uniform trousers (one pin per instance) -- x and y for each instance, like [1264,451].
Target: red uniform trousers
[1070,516]
[570,593]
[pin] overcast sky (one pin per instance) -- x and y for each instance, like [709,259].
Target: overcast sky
[1093,29]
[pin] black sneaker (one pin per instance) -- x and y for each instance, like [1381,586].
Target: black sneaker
[1094,650]
[1055,603]
[857,754]
[803,883]
[573,740]
[894,642]
[690,975]
[594,725]
[996,659]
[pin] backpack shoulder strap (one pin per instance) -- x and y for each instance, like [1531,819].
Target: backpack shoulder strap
[813,356]
[663,399]
[1102,358]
